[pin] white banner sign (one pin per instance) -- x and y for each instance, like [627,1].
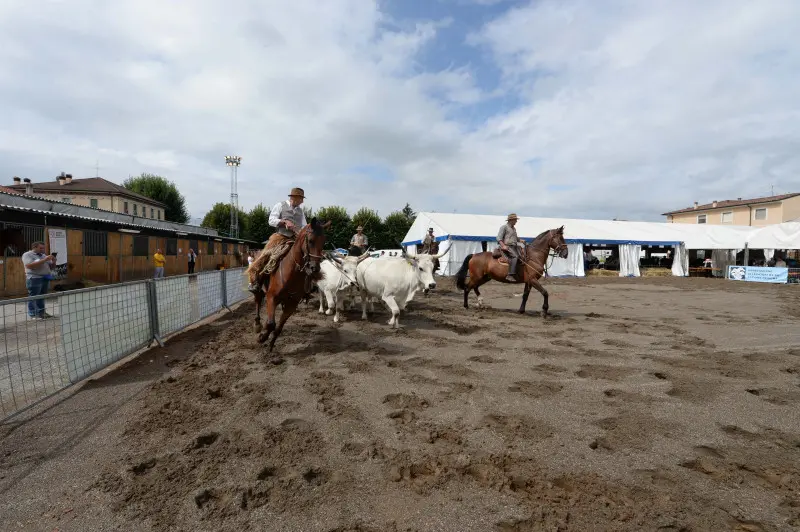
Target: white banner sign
[58,245]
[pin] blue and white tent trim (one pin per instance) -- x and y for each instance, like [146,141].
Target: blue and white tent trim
[464,234]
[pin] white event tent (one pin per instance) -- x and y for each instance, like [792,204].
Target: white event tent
[464,234]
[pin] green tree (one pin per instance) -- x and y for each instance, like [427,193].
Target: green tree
[338,234]
[258,227]
[408,212]
[158,188]
[373,227]
[395,228]
[219,218]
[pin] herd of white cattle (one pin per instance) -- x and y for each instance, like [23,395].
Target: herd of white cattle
[395,280]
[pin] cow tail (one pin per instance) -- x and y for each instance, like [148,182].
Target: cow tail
[461,276]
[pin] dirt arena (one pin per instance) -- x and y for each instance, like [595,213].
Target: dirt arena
[642,404]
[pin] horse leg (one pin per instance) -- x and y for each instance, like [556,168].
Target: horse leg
[271,307]
[538,286]
[525,293]
[259,297]
[321,295]
[288,309]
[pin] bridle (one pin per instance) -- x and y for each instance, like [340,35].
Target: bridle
[551,254]
[311,261]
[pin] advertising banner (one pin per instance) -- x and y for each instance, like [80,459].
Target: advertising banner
[758,274]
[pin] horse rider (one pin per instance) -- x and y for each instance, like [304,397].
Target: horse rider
[427,243]
[288,218]
[359,242]
[510,243]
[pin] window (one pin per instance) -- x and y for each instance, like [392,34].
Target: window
[125,207]
[193,244]
[172,246]
[761,214]
[93,203]
[66,200]
[135,210]
[727,217]
[152,212]
[95,243]
[210,247]
[159,214]
[224,248]
[141,244]
[701,218]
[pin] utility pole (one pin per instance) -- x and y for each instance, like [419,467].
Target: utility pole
[234,161]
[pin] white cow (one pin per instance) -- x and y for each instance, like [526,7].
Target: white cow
[339,275]
[395,281]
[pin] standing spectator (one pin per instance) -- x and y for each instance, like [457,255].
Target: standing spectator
[159,261]
[192,258]
[359,242]
[37,278]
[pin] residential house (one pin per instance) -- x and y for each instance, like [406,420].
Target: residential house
[94,192]
[753,212]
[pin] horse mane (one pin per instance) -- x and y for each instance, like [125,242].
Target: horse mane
[540,235]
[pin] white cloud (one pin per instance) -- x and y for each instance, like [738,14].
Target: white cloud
[628,102]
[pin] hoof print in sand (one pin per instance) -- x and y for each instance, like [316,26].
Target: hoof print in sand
[536,390]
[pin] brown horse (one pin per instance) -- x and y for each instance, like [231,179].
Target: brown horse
[12,241]
[291,279]
[483,267]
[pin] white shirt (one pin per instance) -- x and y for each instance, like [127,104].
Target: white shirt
[284,209]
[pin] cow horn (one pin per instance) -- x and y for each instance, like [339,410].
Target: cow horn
[363,257]
[443,253]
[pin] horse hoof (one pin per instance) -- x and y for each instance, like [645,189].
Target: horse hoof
[257,328]
[263,337]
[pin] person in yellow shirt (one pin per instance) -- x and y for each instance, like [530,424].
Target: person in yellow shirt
[159,261]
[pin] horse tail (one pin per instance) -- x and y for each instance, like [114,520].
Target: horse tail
[461,276]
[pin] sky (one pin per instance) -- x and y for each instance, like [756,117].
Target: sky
[573,108]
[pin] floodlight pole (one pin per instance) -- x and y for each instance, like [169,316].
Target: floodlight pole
[234,161]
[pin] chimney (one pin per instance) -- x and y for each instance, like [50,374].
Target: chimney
[738,199]
[714,204]
[695,204]
[69,178]
[17,180]
[61,179]
[28,187]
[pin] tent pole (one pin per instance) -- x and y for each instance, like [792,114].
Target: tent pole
[746,255]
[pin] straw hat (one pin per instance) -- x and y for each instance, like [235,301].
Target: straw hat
[512,216]
[297,192]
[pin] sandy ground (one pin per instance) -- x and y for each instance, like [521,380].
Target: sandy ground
[643,404]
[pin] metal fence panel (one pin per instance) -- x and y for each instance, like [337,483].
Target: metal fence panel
[174,304]
[209,293]
[89,329]
[101,326]
[235,286]
[31,355]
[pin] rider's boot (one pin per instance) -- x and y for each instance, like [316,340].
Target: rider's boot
[512,268]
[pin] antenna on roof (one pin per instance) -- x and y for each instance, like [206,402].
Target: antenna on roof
[97,168]
[772,190]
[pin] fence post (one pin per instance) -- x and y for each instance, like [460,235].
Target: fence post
[224,286]
[152,305]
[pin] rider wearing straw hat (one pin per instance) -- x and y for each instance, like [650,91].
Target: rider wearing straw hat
[288,218]
[359,241]
[509,242]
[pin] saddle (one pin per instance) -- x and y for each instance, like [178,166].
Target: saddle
[502,258]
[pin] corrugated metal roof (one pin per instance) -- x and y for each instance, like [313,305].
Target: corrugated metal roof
[6,202]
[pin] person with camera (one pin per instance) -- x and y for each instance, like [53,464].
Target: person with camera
[37,278]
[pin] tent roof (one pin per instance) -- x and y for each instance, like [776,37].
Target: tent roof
[480,227]
[778,236]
